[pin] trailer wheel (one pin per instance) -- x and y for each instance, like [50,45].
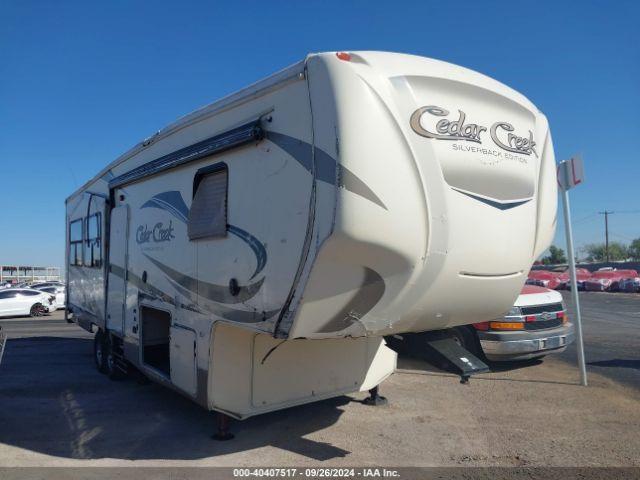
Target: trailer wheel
[112,361]
[99,352]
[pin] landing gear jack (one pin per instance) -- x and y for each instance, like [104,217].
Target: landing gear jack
[375,399]
[223,433]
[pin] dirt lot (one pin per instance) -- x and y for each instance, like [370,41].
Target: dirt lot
[55,409]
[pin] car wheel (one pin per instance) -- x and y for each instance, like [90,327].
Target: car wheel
[111,362]
[99,352]
[37,310]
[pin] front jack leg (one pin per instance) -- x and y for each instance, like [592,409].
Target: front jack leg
[223,432]
[375,399]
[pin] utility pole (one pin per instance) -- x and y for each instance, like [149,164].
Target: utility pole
[606,214]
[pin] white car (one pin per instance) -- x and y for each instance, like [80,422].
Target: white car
[536,325]
[25,301]
[41,285]
[58,292]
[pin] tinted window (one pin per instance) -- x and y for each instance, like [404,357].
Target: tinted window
[30,293]
[93,246]
[7,295]
[75,242]
[75,230]
[208,213]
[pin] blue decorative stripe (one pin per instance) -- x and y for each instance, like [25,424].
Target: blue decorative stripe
[493,203]
[327,169]
[170,201]
[212,291]
[255,245]
[173,203]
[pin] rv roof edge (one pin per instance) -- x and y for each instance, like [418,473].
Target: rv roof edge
[261,87]
[219,143]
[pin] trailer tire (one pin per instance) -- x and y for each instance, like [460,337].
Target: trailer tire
[111,362]
[99,352]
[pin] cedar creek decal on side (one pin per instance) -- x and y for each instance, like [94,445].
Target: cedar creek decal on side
[158,234]
[459,129]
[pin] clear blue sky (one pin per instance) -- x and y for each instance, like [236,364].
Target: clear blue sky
[81,82]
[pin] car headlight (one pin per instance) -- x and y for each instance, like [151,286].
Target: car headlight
[513,312]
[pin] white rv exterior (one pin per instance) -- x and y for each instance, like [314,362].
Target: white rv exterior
[253,254]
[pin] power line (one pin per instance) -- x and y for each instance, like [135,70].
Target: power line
[622,236]
[584,219]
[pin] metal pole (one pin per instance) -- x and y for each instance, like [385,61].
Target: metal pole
[606,214]
[606,234]
[574,286]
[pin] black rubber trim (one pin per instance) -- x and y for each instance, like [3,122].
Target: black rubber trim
[236,137]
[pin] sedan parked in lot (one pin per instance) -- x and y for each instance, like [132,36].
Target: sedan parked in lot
[630,284]
[58,292]
[536,325]
[39,285]
[608,280]
[564,278]
[25,301]
[544,278]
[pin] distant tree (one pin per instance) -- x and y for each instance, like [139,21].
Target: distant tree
[556,256]
[634,249]
[596,252]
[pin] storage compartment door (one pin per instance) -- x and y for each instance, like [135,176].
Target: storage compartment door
[183,358]
[118,264]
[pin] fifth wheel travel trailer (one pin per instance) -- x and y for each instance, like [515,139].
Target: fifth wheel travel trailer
[253,254]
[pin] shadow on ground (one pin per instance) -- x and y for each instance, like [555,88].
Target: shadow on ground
[53,401]
[617,362]
[428,361]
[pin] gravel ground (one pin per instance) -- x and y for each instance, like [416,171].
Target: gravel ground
[56,410]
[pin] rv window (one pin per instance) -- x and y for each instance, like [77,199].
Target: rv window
[75,242]
[93,251]
[208,213]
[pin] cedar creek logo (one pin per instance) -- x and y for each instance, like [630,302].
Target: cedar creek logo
[158,234]
[447,129]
